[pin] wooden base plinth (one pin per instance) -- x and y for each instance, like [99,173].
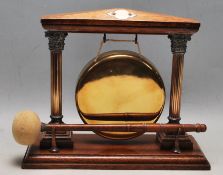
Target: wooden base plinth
[93,152]
[64,140]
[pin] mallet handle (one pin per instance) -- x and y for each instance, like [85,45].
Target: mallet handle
[126,127]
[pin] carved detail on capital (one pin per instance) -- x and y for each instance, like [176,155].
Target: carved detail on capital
[56,40]
[179,42]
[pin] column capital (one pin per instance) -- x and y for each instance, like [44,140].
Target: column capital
[56,40]
[179,42]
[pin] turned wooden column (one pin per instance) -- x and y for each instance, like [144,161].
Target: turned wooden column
[178,48]
[56,45]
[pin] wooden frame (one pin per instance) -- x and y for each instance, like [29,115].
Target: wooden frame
[92,152]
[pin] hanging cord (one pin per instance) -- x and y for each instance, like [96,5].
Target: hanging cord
[105,39]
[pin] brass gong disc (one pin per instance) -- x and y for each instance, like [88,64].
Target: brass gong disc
[120,87]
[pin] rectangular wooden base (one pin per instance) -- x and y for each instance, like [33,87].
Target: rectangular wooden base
[93,152]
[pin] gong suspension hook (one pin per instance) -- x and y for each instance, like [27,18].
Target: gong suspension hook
[105,39]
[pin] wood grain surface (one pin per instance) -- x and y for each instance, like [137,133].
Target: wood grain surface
[100,22]
[93,152]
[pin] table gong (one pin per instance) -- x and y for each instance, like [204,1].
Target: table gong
[169,148]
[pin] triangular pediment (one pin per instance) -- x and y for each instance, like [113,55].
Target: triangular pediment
[119,17]
[104,15]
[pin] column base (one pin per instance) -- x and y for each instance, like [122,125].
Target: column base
[167,141]
[63,140]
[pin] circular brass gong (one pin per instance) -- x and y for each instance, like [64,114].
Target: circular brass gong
[120,87]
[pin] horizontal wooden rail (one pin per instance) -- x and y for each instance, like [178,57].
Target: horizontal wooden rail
[126,127]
